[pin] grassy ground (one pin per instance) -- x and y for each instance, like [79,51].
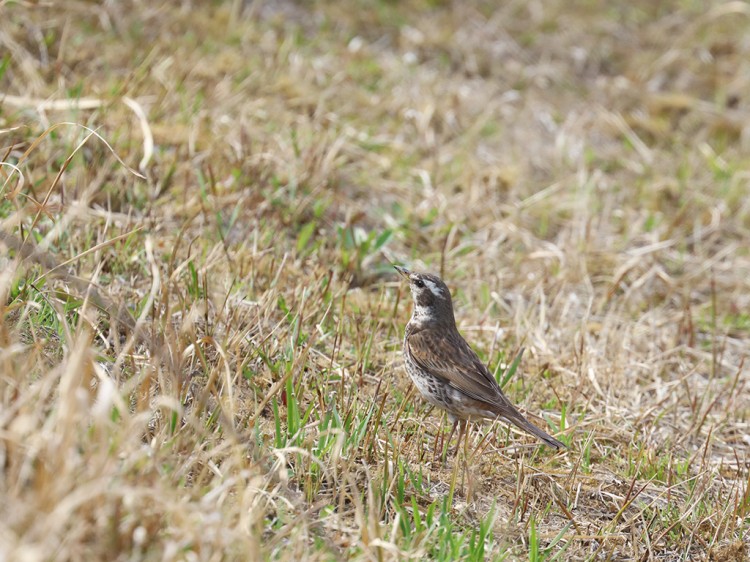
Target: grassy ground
[201,330]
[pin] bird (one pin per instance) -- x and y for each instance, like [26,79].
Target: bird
[443,367]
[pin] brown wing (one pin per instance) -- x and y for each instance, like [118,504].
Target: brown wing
[450,358]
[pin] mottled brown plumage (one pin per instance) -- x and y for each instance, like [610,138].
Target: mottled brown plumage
[443,367]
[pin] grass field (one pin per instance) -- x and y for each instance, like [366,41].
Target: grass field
[200,343]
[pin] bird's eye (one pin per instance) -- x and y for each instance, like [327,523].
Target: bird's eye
[419,283]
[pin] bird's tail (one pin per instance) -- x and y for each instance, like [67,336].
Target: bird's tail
[511,414]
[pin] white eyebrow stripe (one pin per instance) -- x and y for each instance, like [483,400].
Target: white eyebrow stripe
[434,289]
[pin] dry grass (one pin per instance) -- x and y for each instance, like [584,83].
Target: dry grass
[201,358]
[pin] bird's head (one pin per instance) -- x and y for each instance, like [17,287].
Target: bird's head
[432,299]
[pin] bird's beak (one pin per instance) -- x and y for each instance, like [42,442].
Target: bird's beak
[405,273]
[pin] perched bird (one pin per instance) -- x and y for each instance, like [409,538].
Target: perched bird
[445,370]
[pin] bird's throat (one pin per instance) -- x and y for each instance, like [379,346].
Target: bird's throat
[422,318]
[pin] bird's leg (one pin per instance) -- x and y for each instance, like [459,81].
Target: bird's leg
[448,442]
[466,439]
[461,433]
[466,458]
[465,433]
